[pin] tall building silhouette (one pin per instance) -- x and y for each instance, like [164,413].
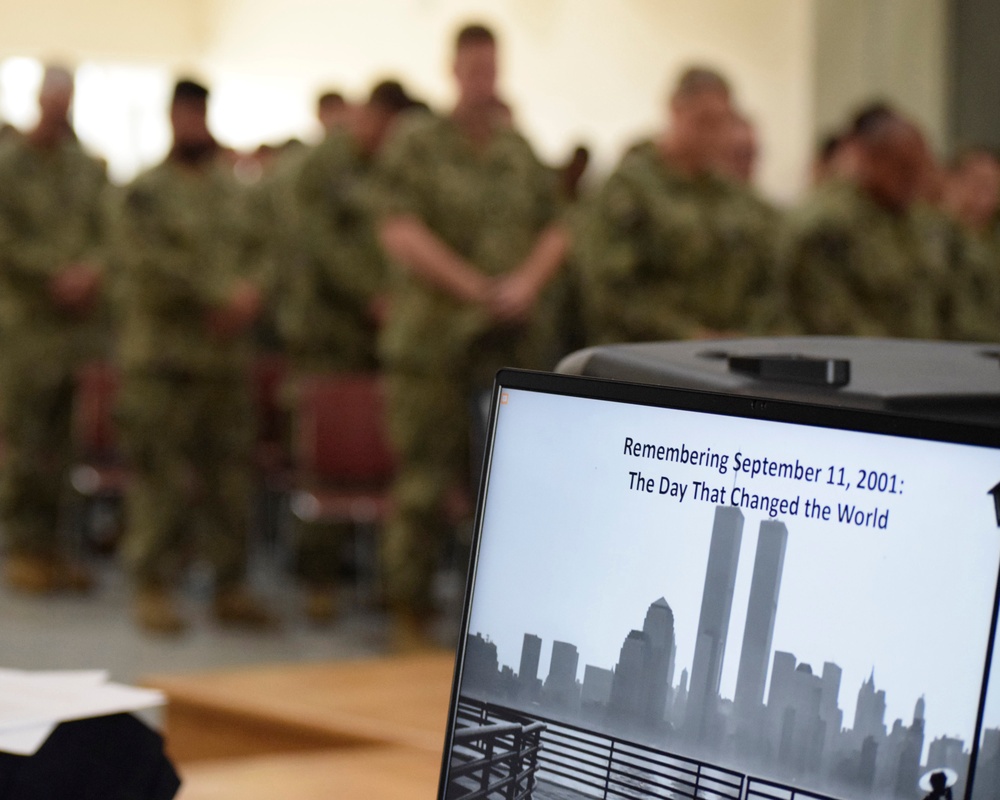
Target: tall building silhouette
[761,612]
[626,687]
[596,690]
[527,674]
[642,677]
[795,711]
[869,714]
[561,690]
[701,714]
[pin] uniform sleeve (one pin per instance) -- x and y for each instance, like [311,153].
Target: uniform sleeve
[400,179]
[818,261]
[612,241]
[335,224]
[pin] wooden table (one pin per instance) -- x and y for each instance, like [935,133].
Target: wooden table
[299,708]
[384,773]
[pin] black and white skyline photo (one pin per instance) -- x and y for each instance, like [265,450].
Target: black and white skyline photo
[573,552]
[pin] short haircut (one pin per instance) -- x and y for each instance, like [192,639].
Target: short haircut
[872,118]
[330,100]
[829,145]
[697,79]
[474,34]
[187,91]
[391,96]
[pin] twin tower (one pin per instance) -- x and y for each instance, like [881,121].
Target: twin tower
[702,718]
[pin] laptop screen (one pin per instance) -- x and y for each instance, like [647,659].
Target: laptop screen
[676,594]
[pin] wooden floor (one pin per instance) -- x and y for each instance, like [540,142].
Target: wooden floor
[371,729]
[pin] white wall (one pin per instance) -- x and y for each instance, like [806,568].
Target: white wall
[895,50]
[596,72]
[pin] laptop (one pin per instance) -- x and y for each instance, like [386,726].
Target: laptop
[680,594]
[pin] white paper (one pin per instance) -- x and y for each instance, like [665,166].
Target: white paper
[33,703]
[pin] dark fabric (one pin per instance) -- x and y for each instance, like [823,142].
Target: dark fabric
[116,757]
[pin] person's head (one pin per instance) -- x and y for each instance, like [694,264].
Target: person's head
[475,67]
[332,110]
[892,160]
[700,116]
[742,149]
[55,98]
[972,187]
[375,118]
[835,157]
[189,121]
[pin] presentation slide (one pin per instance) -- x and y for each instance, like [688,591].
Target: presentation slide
[789,604]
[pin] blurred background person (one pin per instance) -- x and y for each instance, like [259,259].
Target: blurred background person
[670,248]
[189,297]
[332,111]
[50,283]
[856,259]
[742,150]
[333,296]
[469,217]
[971,200]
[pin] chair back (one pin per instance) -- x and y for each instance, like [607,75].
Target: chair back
[340,434]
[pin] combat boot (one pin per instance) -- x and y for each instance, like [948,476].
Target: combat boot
[411,633]
[34,573]
[29,573]
[321,606]
[156,611]
[236,607]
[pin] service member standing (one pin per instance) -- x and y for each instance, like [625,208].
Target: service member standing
[470,218]
[189,295]
[856,259]
[971,201]
[50,232]
[669,248]
[333,295]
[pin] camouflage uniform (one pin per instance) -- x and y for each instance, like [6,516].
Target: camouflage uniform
[50,217]
[857,269]
[972,291]
[185,409]
[489,206]
[340,268]
[664,256]
[324,310]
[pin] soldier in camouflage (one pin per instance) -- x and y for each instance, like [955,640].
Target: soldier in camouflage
[50,279]
[971,200]
[470,219]
[188,295]
[856,258]
[333,297]
[669,248]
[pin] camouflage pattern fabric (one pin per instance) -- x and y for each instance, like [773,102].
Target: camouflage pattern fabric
[185,411]
[662,256]
[50,217]
[489,205]
[856,269]
[338,266]
[184,238]
[970,291]
[188,441]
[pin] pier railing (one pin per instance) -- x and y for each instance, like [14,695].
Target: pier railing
[602,766]
[495,761]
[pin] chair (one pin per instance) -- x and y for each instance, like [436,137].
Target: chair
[342,464]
